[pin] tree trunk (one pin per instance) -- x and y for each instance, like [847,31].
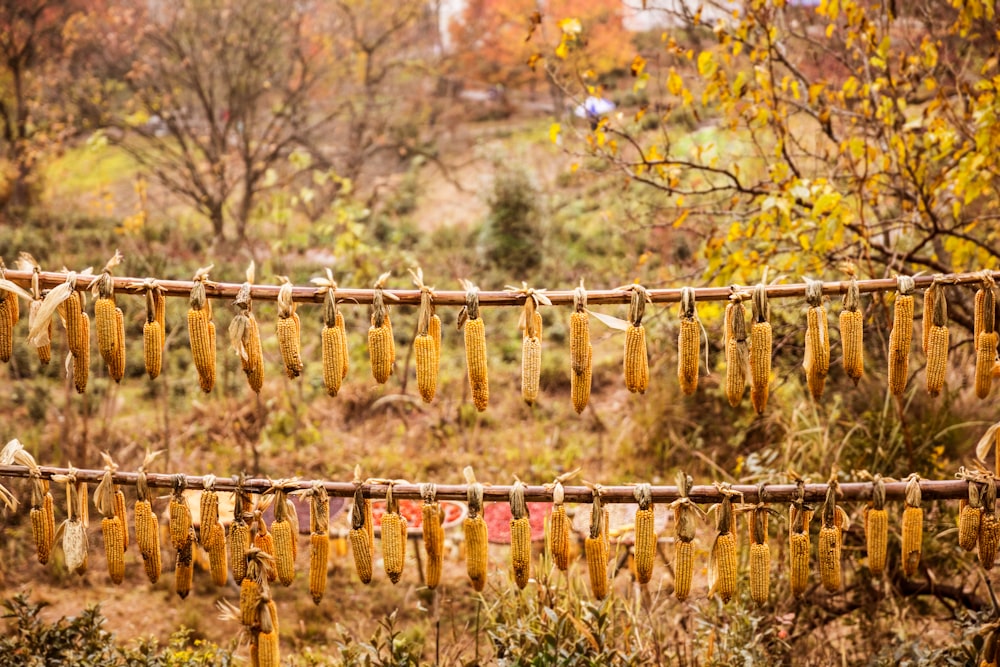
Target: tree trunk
[218,223]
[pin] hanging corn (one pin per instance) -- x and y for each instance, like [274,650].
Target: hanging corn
[289,331]
[913,527]
[530,325]
[201,331]
[970,513]
[147,525]
[722,560]
[475,346]
[636,359]
[645,533]
[760,552]
[736,350]
[381,344]
[244,335]
[852,332]
[901,335]
[688,343]
[596,548]
[985,336]
[427,344]
[333,337]
[830,540]
[799,518]
[476,539]
[319,539]
[936,345]
[520,536]
[581,352]
[113,527]
[362,547]
[817,353]
[109,321]
[559,528]
[760,349]
[989,525]
[432,518]
[239,533]
[877,528]
[43,345]
[394,538]
[152,330]
[685,512]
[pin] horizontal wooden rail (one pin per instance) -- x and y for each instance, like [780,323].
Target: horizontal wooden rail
[931,489]
[302,294]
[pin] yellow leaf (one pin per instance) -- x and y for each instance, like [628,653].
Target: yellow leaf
[706,64]
[570,26]
[638,64]
[674,82]
[562,50]
[554,131]
[681,218]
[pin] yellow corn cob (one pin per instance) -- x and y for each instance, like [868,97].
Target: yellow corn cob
[180,522]
[426,357]
[735,377]
[596,549]
[208,516]
[580,384]
[986,353]
[122,514]
[393,544]
[72,313]
[50,520]
[264,541]
[249,598]
[200,330]
[152,348]
[930,295]
[361,548]
[581,354]
[984,311]
[392,339]
[434,331]
[760,573]
[645,544]
[476,549]
[184,569]
[40,534]
[333,358]
[284,558]
[45,351]
[8,308]
[559,537]
[290,344]
[636,363]
[817,354]
[147,530]
[239,544]
[433,542]
[380,352]
[81,361]
[683,568]
[268,652]
[899,343]
[531,368]
[688,352]
[913,518]
[937,359]
[253,365]
[968,526]
[319,551]
[876,538]
[760,365]
[216,552]
[153,565]
[108,340]
[828,555]
[116,369]
[520,550]
[724,555]
[798,557]
[114,547]
[989,539]
[344,351]
[160,313]
[475,355]
[851,339]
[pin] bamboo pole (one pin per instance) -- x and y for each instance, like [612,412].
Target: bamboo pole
[411,297]
[931,489]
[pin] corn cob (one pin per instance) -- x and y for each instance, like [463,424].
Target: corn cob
[111,530]
[476,540]
[238,542]
[688,343]
[581,352]
[379,351]
[927,322]
[645,534]
[147,526]
[798,547]
[152,348]
[81,361]
[108,322]
[208,511]
[985,337]
[361,536]
[180,515]
[683,567]
[736,352]
[852,333]
[288,331]
[828,550]
[433,533]
[877,528]
[817,352]
[43,347]
[760,350]
[520,536]
[969,518]
[989,526]
[984,309]
[394,536]
[184,568]
[596,550]
[475,348]
[936,345]
[427,344]
[333,359]
[284,556]
[684,534]
[636,363]
[9,312]
[559,530]
[215,535]
[319,551]
[760,556]
[901,336]
[73,320]
[201,332]
[722,564]
[319,540]
[43,527]
[913,517]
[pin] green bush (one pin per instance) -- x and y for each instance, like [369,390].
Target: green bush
[511,238]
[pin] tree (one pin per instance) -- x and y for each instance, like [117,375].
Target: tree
[31,49]
[854,131]
[221,94]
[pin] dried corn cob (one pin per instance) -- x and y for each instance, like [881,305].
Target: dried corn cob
[936,343]
[829,548]
[520,536]
[817,353]
[475,347]
[380,341]
[760,350]
[559,529]
[112,525]
[42,520]
[432,518]
[215,535]
[9,311]
[901,336]
[152,329]
[393,528]
[319,540]
[736,351]
[476,541]
[147,527]
[333,337]
[636,359]
[39,322]
[760,555]
[596,549]
[684,523]
[645,534]
[81,362]
[184,568]
[531,367]
[201,332]
[913,518]
[284,553]
[877,528]
[969,518]
[262,539]
[77,328]
[984,309]
[361,536]
[985,337]
[74,528]
[798,544]
[581,351]
[180,514]
[989,526]
[239,538]
[427,344]
[722,563]
[288,331]
[108,320]
[852,332]
[928,315]
[688,343]
[208,511]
